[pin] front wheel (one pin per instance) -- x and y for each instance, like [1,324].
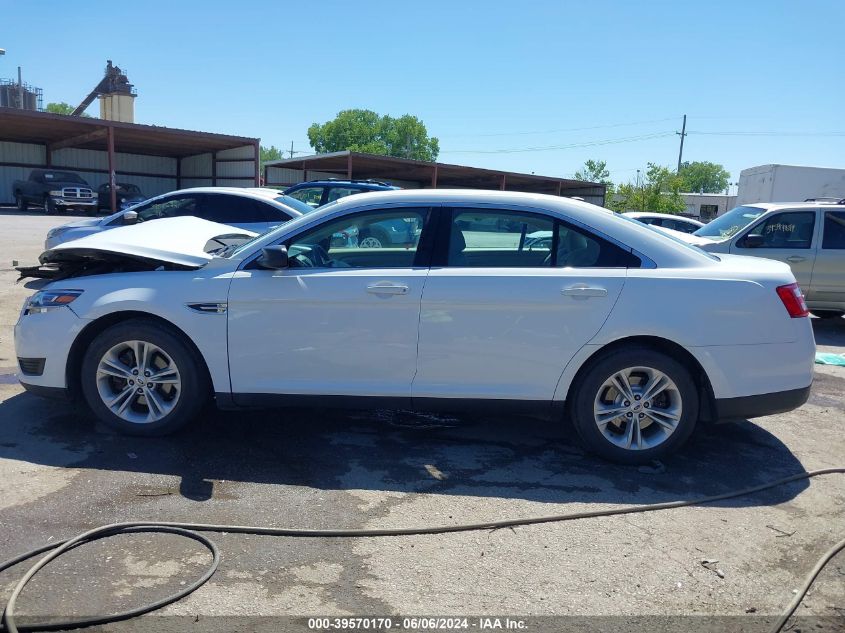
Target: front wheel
[49,206]
[142,379]
[634,405]
[20,203]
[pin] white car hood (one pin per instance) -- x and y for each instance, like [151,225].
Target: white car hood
[178,241]
[689,238]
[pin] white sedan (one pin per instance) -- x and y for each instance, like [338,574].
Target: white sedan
[630,334]
[666,220]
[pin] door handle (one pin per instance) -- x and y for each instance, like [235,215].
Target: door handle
[795,259]
[584,291]
[387,289]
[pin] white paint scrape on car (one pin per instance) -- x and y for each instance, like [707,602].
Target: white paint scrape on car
[181,241]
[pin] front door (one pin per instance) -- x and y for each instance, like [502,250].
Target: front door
[787,237]
[515,296]
[341,320]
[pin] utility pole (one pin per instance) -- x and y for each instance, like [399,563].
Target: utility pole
[291,149]
[682,134]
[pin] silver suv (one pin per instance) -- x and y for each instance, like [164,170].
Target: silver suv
[809,236]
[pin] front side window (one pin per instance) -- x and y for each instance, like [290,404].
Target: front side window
[309,195]
[790,230]
[834,230]
[168,208]
[343,242]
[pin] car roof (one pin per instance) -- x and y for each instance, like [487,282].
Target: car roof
[776,206]
[363,184]
[256,193]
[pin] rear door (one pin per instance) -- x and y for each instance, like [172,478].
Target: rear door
[505,308]
[828,282]
[789,236]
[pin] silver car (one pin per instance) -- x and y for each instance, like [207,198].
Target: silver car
[809,236]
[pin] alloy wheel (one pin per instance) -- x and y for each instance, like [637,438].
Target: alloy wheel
[638,408]
[138,382]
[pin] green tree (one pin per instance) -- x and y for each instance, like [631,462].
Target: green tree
[703,176]
[659,191]
[270,153]
[366,131]
[62,108]
[594,171]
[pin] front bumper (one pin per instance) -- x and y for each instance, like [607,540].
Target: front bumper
[76,203]
[48,335]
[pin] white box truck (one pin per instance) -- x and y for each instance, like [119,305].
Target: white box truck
[789,183]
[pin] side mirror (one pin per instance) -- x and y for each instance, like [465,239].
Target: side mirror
[130,217]
[273,258]
[752,240]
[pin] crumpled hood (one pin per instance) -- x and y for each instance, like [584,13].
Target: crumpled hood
[80,223]
[179,241]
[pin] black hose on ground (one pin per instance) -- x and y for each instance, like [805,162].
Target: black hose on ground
[191,530]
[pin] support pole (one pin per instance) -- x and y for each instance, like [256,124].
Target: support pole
[504,182]
[213,169]
[257,158]
[349,166]
[683,133]
[112,177]
[434,177]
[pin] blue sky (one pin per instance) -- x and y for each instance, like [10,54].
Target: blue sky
[555,78]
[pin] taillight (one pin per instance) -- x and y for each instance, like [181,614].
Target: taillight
[793,300]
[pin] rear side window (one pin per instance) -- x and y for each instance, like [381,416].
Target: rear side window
[834,230]
[510,239]
[790,230]
[336,193]
[234,210]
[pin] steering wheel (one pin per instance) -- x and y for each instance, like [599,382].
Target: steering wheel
[317,257]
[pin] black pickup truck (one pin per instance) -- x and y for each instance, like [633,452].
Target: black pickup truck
[55,191]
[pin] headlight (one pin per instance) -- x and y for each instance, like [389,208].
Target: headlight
[47,300]
[55,193]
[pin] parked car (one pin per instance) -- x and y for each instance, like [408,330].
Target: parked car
[317,193]
[126,195]
[809,236]
[255,210]
[632,335]
[54,191]
[666,220]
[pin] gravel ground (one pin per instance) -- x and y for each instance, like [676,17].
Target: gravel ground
[61,474]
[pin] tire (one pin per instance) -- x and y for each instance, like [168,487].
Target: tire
[20,203]
[372,239]
[49,207]
[827,314]
[594,391]
[177,401]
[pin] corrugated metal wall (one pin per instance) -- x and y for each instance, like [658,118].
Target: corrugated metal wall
[155,175]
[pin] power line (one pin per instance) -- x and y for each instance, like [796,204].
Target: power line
[767,133]
[571,129]
[547,148]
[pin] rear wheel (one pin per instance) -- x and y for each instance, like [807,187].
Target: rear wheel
[828,314]
[143,379]
[634,405]
[20,203]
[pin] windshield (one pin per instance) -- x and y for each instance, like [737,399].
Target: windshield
[126,188]
[62,176]
[295,204]
[731,223]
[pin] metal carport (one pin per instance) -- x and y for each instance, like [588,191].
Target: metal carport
[158,159]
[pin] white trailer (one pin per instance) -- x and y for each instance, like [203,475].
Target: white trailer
[789,183]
